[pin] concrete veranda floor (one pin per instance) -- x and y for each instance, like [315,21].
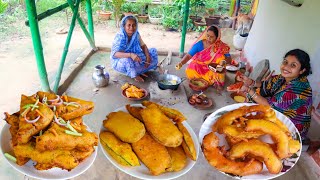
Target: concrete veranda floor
[109,98]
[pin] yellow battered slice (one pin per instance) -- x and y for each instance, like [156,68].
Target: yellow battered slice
[124,126]
[120,151]
[56,138]
[70,107]
[187,143]
[173,114]
[27,130]
[13,121]
[134,111]
[160,127]
[178,158]
[154,155]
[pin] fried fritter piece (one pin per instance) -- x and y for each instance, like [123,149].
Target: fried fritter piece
[27,130]
[240,134]
[178,158]
[56,138]
[124,126]
[160,127]
[120,151]
[48,159]
[187,143]
[13,120]
[71,107]
[173,114]
[153,154]
[134,111]
[275,131]
[259,149]
[211,151]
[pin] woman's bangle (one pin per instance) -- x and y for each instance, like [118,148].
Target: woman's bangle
[253,84]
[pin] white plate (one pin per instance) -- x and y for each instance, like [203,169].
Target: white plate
[288,163]
[232,68]
[142,171]
[53,173]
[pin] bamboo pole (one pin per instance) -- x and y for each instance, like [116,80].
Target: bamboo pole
[66,47]
[37,45]
[49,12]
[90,20]
[184,27]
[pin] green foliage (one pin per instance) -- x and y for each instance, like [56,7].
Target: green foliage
[172,17]
[130,7]
[3,6]
[155,12]
[117,10]
[212,4]
[44,5]
[142,5]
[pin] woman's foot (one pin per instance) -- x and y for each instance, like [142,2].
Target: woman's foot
[139,79]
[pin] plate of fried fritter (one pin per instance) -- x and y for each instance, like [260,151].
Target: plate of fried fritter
[149,141]
[250,141]
[47,139]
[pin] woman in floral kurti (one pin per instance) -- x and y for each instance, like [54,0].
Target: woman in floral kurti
[289,92]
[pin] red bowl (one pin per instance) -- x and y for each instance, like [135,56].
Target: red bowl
[145,92]
[198,84]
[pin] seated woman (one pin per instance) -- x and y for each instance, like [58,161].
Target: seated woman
[129,54]
[207,49]
[289,92]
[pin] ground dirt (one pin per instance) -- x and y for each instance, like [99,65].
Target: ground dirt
[18,68]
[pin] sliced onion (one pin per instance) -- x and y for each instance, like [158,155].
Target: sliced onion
[75,104]
[32,121]
[57,120]
[57,104]
[44,100]
[56,99]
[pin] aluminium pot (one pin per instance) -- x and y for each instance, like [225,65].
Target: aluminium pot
[169,81]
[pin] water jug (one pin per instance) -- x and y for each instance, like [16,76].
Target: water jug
[99,78]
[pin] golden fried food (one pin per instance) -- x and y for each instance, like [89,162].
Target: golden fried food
[229,118]
[124,126]
[56,138]
[134,111]
[216,159]
[120,151]
[258,149]
[26,129]
[67,107]
[13,120]
[178,158]
[134,92]
[173,114]
[239,99]
[153,154]
[48,159]
[160,127]
[240,134]
[187,143]
[275,131]
[294,146]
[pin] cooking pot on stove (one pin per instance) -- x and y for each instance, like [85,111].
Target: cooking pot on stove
[169,81]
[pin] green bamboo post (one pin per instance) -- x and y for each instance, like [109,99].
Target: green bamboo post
[90,20]
[37,45]
[184,27]
[83,27]
[66,47]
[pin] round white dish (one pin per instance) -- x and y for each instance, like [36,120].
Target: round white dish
[288,163]
[142,171]
[53,173]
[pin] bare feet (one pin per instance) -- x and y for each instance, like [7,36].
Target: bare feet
[139,79]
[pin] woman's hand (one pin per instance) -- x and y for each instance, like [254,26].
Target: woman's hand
[244,89]
[148,61]
[247,81]
[135,57]
[178,66]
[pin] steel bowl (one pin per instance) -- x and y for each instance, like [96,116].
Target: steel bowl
[169,81]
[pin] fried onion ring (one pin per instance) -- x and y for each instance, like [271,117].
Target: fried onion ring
[275,131]
[258,149]
[216,159]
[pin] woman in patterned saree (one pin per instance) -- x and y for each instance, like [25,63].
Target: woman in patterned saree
[129,54]
[289,92]
[207,49]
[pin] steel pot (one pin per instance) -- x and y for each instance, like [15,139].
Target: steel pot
[169,81]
